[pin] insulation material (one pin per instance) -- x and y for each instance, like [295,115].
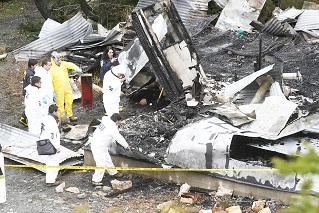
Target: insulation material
[180,59]
[272,116]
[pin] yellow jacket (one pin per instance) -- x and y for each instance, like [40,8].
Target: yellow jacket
[62,87]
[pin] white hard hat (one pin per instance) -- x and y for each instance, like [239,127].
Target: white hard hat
[119,69]
[55,55]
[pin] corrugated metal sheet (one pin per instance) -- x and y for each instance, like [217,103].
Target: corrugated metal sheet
[47,27]
[275,27]
[291,13]
[308,20]
[20,146]
[67,33]
[189,10]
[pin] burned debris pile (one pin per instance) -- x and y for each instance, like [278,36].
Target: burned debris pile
[151,133]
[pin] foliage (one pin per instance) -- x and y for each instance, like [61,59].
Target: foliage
[307,163]
[10,7]
[108,12]
[266,12]
[213,8]
[30,27]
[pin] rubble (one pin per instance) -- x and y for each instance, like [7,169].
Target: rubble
[121,185]
[241,101]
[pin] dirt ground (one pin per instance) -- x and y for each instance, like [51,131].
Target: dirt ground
[26,191]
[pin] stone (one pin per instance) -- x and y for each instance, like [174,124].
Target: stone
[121,185]
[143,102]
[265,210]
[60,187]
[106,188]
[258,205]
[223,192]
[73,190]
[184,188]
[81,196]
[233,209]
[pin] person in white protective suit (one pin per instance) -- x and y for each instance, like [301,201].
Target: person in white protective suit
[105,133]
[50,130]
[61,85]
[34,101]
[46,87]
[112,83]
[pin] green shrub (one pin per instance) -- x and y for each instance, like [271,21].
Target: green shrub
[305,164]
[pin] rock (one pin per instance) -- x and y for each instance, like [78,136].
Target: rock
[265,210]
[73,190]
[189,198]
[121,185]
[223,192]
[184,188]
[143,102]
[106,188]
[60,187]
[233,209]
[258,205]
[81,196]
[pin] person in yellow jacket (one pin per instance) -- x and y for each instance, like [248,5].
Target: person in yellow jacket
[61,85]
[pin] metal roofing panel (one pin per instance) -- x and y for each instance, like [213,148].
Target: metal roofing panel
[47,27]
[21,145]
[67,33]
[308,20]
[290,13]
[189,10]
[275,27]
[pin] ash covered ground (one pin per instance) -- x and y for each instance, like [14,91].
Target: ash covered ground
[148,131]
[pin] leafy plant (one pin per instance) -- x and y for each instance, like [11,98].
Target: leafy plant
[307,163]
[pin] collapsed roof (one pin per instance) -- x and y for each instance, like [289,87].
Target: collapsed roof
[240,103]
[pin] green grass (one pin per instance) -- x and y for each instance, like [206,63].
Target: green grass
[10,7]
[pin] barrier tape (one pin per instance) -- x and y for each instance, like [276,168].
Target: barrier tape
[138,168]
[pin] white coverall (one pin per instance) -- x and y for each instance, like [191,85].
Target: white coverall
[34,108]
[112,90]
[51,131]
[103,136]
[62,87]
[46,87]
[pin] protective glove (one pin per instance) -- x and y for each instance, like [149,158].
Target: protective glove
[54,96]
[79,71]
[44,100]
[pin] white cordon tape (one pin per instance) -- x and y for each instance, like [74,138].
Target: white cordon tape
[137,168]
